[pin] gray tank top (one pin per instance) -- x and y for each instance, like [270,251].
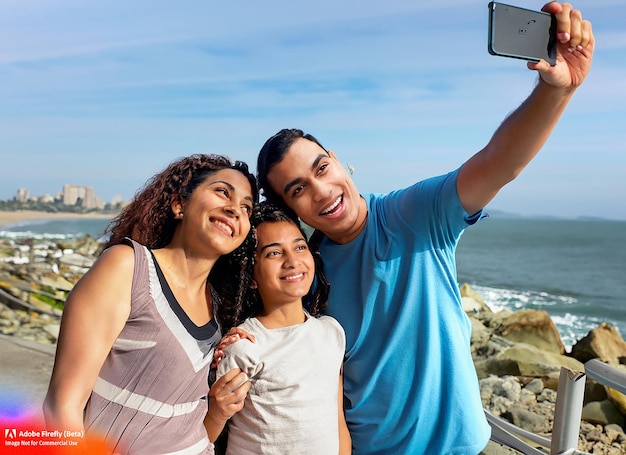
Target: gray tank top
[151,393]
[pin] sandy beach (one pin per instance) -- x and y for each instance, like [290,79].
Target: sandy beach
[12,218]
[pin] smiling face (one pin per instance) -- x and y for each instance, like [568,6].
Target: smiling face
[218,211]
[284,267]
[314,184]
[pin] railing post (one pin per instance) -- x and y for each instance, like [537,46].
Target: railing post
[567,413]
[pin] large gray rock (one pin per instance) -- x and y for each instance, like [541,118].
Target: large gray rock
[527,420]
[533,327]
[524,359]
[604,343]
[602,412]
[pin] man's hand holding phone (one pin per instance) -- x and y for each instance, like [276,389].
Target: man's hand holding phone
[555,41]
[575,46]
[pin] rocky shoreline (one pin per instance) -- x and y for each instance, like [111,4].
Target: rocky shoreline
[518,358]
[518,355]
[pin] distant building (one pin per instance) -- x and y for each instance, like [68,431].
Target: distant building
[46,199]
[73,193]
[100,203]
[23,195]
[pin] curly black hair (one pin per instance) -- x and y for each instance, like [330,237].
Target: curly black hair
[149,220]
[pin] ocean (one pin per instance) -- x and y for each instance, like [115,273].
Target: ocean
[573,269]
[58,229]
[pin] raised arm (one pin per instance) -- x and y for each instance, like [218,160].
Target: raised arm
[520,137]
[94,315]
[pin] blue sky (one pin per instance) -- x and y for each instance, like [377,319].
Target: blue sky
[106,94]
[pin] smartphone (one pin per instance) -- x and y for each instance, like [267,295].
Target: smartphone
[521,33]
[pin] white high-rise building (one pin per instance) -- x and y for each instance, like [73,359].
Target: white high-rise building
[72,193]
[23,195]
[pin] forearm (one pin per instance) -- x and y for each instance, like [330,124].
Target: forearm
[60,414]
[514,144]
[69,389]
[214,426]
[526,130]
[226,398]
[523,133]
[345,441]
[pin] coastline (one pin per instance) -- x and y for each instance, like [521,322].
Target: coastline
[8,219]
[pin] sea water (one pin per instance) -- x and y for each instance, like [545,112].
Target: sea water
[58,228]
[573,269]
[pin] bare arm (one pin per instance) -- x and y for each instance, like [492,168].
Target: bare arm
[95,313]
[345,441]
[520,137]
[226,398]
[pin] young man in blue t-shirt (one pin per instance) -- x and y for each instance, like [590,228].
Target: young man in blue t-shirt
[409,381]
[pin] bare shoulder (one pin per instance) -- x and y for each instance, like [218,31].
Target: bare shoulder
[115,260]
[121,254]
[110,276]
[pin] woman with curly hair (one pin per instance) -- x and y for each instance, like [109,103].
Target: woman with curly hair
[295,403]
[139,329]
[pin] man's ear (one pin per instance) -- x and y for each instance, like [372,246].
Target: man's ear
[348,167]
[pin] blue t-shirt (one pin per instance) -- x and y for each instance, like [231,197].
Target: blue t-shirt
[409,378]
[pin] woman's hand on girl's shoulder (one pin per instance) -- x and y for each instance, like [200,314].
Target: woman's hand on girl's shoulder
[232,336]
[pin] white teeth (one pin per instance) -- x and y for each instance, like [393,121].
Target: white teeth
[225,226]
[332,207]
[293,277]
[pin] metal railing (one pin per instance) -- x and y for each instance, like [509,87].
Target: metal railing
[567,413]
